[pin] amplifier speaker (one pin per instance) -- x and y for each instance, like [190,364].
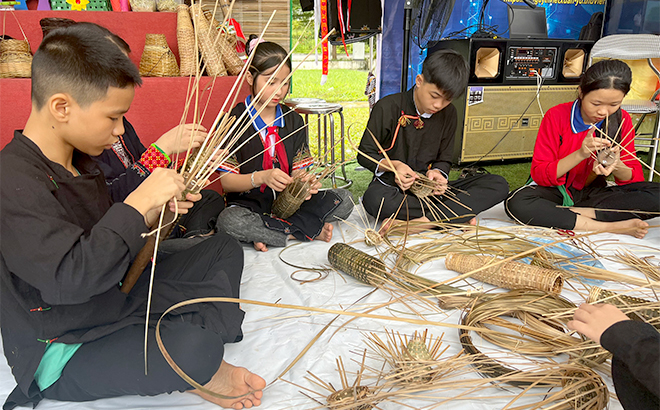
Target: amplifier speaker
[491,112]
[502,89]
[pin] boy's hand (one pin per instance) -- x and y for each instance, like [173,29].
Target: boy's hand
[162,185]
[593,320]
[404,175]
[171,144]
[274,178]
[435,175]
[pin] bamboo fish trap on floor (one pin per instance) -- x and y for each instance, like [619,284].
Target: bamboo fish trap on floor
[508,275]
[157,58]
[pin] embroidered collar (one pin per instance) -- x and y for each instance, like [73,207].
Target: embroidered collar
[423,115]
[258,123]
[577,123]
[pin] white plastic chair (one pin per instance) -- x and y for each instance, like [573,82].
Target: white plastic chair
[636,47]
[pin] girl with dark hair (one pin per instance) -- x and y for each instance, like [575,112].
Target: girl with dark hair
[578,146]
[267,163]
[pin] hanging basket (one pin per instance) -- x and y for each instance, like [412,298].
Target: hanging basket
[15,59]
[157,58]
[185,35]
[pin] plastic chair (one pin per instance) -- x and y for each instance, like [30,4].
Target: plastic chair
[636,47]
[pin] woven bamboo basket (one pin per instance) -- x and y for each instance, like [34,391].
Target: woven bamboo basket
[143,5]
[358,264]
[157,58]
[289,200]
[650,315]
[228,52]
[422,187]
[185,35]
[167,5]
[15,59]
[205,38]
[508,275]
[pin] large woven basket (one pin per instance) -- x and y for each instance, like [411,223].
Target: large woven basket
[157,58]
[15,59]
[185,35]
[508,275]
[205,38]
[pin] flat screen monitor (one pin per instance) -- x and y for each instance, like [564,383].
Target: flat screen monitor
[525,22]
[632,17]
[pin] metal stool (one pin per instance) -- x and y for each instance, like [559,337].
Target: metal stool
[326,111]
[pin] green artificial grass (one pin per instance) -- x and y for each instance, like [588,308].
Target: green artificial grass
[342,85]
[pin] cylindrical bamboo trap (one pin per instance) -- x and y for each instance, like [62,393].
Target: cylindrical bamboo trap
[289,200]
[632,306]
[508,275]
[358,264]
[230,58]
[157,58]
[206,40]
[15,59]
[185,36]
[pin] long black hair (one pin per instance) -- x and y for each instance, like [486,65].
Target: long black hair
[266,56]
[608,75]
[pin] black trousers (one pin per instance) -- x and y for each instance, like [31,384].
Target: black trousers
[483,191]
[114,365]
[538,205]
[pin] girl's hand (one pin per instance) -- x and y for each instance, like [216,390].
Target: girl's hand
[591,144]
[315,184]
[436,176]
[593,320]
[172,144]
[599,169]
[274,178]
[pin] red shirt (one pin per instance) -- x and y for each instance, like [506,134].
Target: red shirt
[556,140]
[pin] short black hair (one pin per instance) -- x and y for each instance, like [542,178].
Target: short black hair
[448,71]
[606,74]
[82,60]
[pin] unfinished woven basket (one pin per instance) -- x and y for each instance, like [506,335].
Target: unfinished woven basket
[650,315]
[185,35]
[15,59]
[289,200]
[157,58]
[508,275]
[205,38]
[422,187]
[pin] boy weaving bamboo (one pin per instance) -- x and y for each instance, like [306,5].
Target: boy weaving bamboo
[69,333]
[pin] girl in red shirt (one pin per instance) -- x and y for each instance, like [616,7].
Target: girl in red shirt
[566,169]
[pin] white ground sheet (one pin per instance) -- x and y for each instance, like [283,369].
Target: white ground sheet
[274,337]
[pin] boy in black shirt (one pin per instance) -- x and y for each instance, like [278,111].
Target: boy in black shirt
[416,130]
[69,333]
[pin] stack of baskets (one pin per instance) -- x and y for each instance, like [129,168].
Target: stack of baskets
[157,58]
[15,58]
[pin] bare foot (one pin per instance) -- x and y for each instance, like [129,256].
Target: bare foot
[260,246]
[633,227]
[385,226]
[473,221]
[230,380]
[326,232]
